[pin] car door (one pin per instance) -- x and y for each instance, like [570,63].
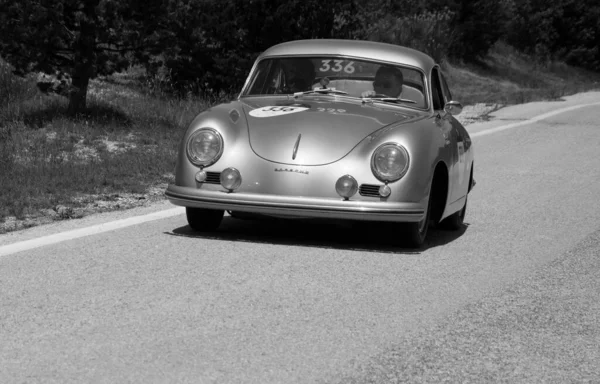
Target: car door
[463,144]
[454,142]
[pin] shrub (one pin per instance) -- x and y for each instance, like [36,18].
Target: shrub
[429,32]
[564,29]
[13,89]
[479,25]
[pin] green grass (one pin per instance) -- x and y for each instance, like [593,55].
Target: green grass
[126,140]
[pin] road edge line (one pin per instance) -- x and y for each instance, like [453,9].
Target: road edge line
[26,245]
[531,120]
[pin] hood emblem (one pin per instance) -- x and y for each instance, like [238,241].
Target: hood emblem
[296,147]
[291,170]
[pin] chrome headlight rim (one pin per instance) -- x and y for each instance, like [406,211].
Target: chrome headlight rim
[377,173]
[194,160]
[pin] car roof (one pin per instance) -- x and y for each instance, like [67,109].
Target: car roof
[354,48]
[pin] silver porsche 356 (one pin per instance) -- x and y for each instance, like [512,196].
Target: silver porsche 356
[331,129]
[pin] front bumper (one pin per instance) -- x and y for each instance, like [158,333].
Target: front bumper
[295,205]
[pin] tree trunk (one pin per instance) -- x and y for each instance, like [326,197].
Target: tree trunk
[85,58]
[78,94]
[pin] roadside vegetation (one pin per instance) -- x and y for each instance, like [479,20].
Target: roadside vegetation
[507,76]
[128,76]
[118,152]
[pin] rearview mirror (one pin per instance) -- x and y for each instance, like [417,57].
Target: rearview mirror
[453,107]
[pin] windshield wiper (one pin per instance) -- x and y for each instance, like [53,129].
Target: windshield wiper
[325,91]
[387,100]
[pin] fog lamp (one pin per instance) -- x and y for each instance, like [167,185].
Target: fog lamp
[231,179]
[346,186]
[201,176]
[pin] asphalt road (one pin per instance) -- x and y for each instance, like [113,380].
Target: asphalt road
[511,298]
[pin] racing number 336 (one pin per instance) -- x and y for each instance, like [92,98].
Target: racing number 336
[337,66]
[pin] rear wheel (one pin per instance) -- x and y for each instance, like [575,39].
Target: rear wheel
[204,220]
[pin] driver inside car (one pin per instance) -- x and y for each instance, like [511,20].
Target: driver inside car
[388,82]
[300,74]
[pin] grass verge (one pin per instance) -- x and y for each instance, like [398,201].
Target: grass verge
[120,152]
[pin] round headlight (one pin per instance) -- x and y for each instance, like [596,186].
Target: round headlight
[389,162]
[231,179]
[346,186]
[204,147]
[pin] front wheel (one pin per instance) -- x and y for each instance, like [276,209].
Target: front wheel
[414,234]
[204,220]
[455,221]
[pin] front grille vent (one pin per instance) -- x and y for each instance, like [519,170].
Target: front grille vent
[369,190]
[213,177]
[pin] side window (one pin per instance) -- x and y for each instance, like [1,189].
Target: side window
[447,94]
[436,91]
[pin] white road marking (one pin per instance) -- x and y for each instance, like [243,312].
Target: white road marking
[82,232]
[111,226]
[532,120]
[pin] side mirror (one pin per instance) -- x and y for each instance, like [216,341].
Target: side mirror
[453,107]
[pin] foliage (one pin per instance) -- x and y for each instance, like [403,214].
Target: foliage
[429,32]
[441,28]
[563,29]
[479,25]
[13,90]
[207,47]
[83,38]
[217,41]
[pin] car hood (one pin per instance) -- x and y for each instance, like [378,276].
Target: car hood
[314,132]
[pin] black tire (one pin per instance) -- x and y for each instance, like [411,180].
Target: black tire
[204,220]
[455,221]
[243,215]
[414,234]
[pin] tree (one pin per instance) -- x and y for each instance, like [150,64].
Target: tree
[83,38]
[562,29]
[217,41]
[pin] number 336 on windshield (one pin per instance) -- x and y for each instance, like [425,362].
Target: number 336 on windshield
[337,66]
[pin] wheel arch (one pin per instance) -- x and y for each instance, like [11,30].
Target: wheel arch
[471,180]
[439,189]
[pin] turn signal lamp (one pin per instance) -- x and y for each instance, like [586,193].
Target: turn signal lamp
[201,176]
[385,191]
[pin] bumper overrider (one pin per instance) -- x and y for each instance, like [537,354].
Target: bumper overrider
[295,206]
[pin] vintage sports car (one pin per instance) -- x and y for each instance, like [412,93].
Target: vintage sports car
[339,129]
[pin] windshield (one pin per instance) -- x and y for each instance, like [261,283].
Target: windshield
[357,78]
